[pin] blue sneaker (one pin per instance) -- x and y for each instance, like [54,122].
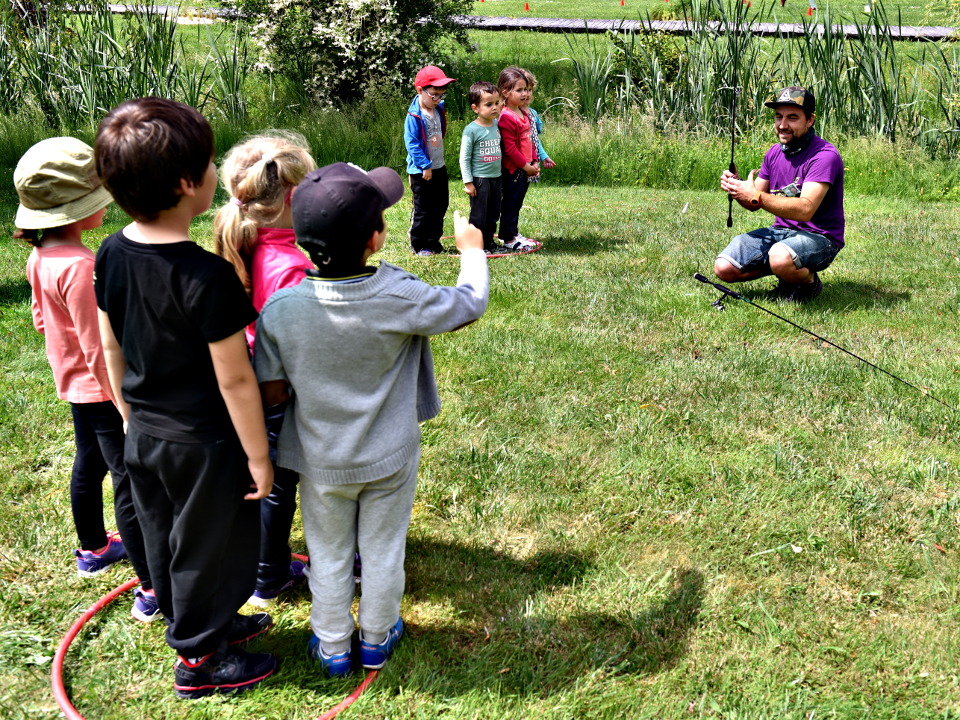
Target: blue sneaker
[339,665]
[145,606]
[90,564]
[374,657]
[266,597]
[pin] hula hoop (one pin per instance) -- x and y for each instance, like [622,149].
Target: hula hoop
[526,251]
[56,672]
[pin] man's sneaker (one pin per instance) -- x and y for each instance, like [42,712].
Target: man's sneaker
[373,657]
[244,628]
[145,606]
[229,669]
[519,244]
[782,291]
[339,665]
[807,291]
[265,597]
[90,564]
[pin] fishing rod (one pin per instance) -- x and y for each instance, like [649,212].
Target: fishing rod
[737,296]
[733,141]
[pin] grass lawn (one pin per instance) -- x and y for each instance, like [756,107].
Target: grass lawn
[916,12]
[631,506]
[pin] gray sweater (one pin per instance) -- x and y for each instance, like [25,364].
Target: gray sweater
[358,361]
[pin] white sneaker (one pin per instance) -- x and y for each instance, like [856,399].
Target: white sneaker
[520,243]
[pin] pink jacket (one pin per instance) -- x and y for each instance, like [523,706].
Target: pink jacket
[515,139]
[65,312]
[277,263]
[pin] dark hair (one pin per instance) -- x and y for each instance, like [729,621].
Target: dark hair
[29,236]
[145,147]
[338,258]
[479,88]
[509,77]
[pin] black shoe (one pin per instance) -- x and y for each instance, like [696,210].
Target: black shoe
[782,291]
[807,291]
[229,669]
[244,628]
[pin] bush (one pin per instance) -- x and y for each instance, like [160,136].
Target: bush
[339,49]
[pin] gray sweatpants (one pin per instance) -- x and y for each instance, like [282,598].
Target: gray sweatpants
[339,520]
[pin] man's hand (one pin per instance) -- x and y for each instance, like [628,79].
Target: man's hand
[468,236]
[470,189]
[428,174]
[743,191]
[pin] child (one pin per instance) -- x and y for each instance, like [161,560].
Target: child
[60,197]
[480,162]
[423,133]
[520,162]
[172,319]
[536,124]
[254,231]
[352,431]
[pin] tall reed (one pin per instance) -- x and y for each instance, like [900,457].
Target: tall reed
[77,67]
[868,85]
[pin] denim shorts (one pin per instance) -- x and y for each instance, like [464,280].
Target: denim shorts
[751,251]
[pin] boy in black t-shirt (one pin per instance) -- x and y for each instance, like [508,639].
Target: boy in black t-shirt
[172,318]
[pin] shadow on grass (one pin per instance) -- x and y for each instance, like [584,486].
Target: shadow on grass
[523,627]
[582,243]
[14,292]
[839,295]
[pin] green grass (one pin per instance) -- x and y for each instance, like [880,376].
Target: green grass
[632,505]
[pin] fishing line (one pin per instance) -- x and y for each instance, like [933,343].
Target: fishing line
[737,296]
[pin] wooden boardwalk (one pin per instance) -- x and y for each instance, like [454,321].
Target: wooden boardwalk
[684,27]
[554,25]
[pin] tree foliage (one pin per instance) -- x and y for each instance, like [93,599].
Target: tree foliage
[339,50]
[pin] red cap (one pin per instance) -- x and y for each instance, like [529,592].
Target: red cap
[432,76]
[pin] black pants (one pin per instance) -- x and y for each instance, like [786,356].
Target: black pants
[276,519]
[430,200]
[98,432]
[276,513]
[485,208]
[202,537]
[515,186]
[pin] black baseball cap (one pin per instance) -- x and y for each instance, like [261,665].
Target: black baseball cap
[795,95]
[340,204]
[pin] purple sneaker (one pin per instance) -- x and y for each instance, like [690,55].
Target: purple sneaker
[91,564]
[145,606]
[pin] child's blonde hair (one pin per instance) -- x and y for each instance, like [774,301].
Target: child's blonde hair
[259,173]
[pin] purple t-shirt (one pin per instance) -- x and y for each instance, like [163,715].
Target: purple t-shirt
[820,162]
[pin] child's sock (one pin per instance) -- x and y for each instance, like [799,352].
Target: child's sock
[374,639]
[194,662]
[331,649]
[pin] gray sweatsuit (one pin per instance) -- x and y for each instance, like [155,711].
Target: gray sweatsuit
[357,358]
